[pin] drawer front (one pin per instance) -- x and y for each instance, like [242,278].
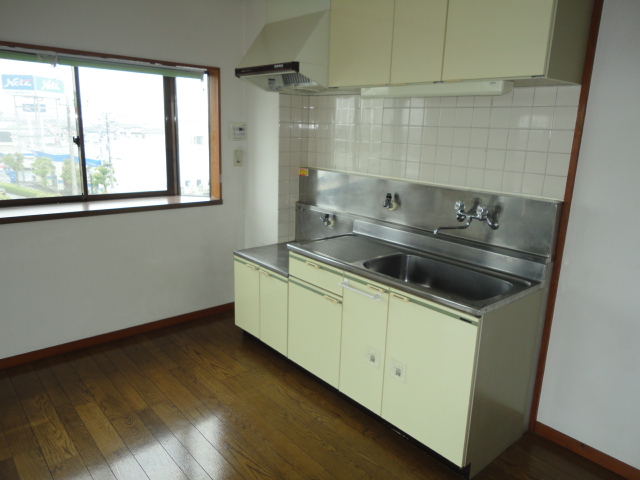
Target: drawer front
[316,273]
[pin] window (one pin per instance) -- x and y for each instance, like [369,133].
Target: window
[78,128]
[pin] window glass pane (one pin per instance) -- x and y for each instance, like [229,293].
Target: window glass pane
[124,138]
[37,126]
[193,136]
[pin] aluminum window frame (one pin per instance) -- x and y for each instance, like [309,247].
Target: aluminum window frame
[169,71]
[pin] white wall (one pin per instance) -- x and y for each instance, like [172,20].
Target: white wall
[63,280]
[592,378]
[261,157]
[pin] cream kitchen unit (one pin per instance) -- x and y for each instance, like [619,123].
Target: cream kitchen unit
[545,39]
[384,42]
[315,317]
[436,333]
[455,382]
[261,301]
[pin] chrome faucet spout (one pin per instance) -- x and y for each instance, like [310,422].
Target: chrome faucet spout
[460,227]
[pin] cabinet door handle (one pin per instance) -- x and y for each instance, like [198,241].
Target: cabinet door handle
[266,274]
[375,289]
[251,267]
[375,296]
[329,299]
[312,265]
[399,297]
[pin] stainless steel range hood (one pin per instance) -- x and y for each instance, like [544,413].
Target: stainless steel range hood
[290,56]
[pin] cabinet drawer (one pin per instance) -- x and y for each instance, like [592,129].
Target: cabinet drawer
[316,273]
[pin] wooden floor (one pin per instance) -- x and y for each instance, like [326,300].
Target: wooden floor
[202,400]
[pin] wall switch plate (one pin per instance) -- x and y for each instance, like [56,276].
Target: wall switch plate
[372,357]
[237,158]
[237,131]
[398,370]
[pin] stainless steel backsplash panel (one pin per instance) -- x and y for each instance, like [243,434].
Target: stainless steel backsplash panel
[527,225]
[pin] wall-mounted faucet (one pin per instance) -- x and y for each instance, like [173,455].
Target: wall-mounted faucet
[480,212]
[389,202]
[328,220]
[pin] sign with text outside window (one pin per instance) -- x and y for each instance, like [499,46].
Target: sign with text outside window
[14,83]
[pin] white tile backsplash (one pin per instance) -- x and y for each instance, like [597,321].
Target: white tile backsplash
[515,143]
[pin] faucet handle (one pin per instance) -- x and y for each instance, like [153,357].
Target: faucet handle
[459,205]
[389,202]
[481,210]
[328,220]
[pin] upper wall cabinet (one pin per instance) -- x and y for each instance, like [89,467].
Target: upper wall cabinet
[418,41]
[378,42]
[383,42]
[360,42]
[516,39]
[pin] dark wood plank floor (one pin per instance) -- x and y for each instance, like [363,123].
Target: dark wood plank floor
[202,400]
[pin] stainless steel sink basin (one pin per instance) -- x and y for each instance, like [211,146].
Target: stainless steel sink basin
[444,277]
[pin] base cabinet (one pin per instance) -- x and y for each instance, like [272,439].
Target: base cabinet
[460,385]
[364,331]
[315,317]
[261,303]
[428,374]
[274,294]
[246,282]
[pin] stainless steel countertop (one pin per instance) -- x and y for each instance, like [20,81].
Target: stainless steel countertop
[274,257]
[349,252]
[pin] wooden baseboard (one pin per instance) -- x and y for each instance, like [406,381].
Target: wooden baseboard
[590,453]
[108,337]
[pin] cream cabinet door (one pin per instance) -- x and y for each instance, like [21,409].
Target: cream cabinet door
[315,317]
[430,361]
[273,310]
[497,38]
[247,296]
[360,42]
[418,40]
[364,330]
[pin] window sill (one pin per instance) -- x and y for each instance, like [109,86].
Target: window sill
[33,213]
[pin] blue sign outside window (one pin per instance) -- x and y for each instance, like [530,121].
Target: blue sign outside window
[17,82]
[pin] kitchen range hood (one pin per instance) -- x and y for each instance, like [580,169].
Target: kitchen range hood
[290,56]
